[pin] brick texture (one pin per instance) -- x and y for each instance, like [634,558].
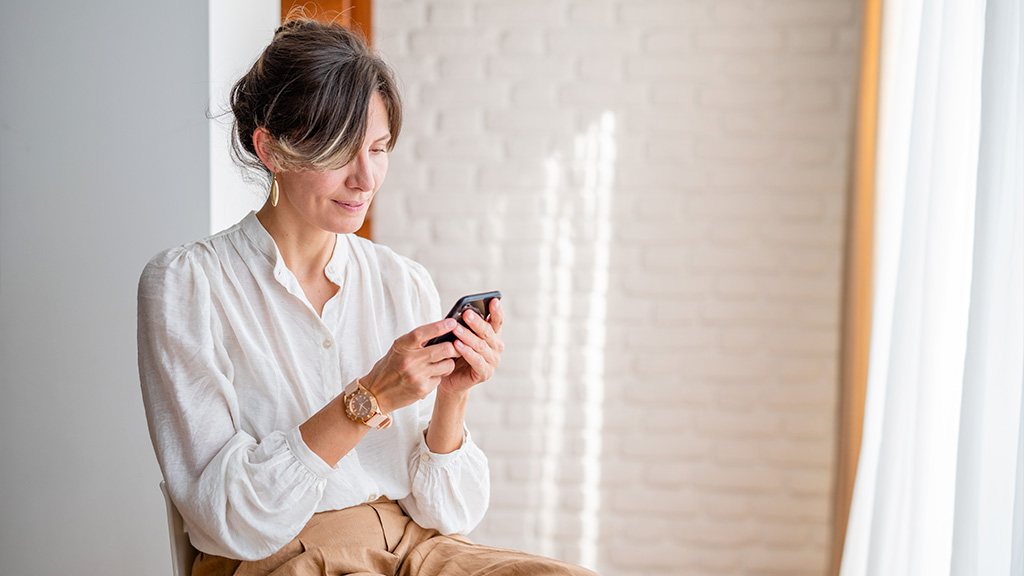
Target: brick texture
[657,187]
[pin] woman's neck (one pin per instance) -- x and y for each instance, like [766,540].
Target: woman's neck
[306,249]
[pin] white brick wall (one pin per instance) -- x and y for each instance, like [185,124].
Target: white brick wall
[657,188]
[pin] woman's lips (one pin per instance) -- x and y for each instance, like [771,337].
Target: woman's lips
[351,206]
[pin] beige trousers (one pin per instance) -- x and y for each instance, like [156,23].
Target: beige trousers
[377,538]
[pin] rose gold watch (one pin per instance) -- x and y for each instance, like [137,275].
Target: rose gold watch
[361,406]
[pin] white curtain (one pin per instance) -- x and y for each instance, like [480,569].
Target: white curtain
[940,482]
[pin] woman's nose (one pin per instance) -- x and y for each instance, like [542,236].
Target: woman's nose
[360,176]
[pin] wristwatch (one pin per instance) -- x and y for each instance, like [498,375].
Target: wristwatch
[361,406]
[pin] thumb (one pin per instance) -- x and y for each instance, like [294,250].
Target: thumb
[421,335]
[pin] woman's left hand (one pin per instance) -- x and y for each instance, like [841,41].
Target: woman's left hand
[481,350]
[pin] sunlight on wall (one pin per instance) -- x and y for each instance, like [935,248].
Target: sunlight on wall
[596,152]
[574,208]
[555,286]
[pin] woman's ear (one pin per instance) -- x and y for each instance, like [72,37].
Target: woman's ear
[262,141]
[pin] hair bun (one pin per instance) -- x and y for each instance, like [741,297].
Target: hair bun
[295,23]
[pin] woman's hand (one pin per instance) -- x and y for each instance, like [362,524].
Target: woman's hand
[409,372]
[480,350]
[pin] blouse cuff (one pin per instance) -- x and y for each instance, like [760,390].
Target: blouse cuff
[441,460]
[309,459]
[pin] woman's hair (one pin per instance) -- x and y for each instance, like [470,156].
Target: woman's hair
[310,89]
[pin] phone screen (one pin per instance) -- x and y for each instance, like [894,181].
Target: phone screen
[479,303]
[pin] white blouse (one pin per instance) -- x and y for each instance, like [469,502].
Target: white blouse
[232,358]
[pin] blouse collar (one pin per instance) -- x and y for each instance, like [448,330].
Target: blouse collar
[264,242]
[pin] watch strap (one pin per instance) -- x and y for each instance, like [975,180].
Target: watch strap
[379,421]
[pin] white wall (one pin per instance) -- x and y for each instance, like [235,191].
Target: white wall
[104,155]
[657,186]
[239,31]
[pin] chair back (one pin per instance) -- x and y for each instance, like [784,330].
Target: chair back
[182,552]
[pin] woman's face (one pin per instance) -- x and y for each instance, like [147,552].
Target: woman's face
[338,200]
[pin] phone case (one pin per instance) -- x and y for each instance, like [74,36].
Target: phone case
[480,303]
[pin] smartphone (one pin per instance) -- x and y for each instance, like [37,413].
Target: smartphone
[480,303]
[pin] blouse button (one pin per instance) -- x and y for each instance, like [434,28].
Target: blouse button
[328,343]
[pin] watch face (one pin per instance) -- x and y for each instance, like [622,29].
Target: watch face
[360,404]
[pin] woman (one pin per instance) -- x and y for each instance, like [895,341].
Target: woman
[301,425]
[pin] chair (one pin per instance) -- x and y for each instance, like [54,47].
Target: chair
[182,552]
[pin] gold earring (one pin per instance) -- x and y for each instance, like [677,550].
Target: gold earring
[274,191]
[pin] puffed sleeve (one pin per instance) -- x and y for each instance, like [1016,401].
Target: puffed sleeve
[239,497]
[450,492]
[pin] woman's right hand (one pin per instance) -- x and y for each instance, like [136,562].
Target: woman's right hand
[409,372]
